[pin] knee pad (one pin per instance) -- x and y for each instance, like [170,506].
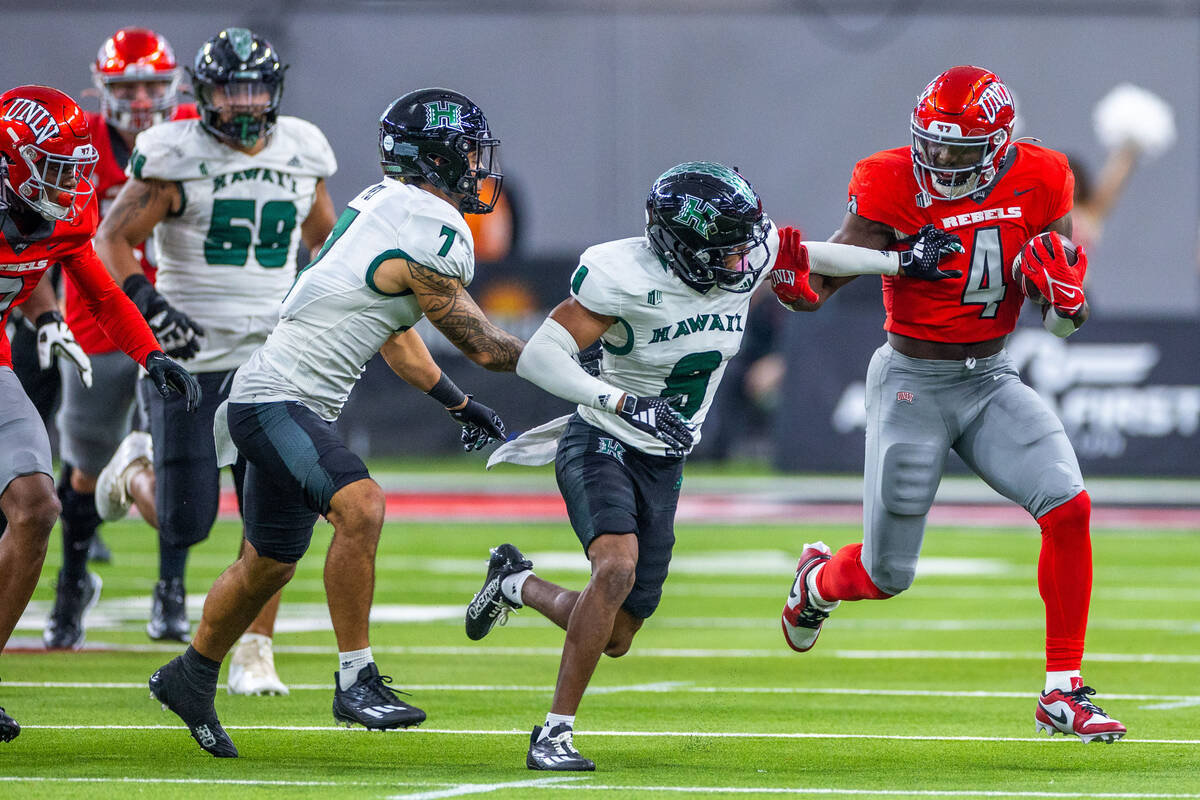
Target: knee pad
[909,477]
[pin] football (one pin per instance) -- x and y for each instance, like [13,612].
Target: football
[1027,286]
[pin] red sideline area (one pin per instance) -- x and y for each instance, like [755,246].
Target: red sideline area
[473,506]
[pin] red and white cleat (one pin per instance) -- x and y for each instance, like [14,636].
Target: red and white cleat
[802,620]
[1072,713]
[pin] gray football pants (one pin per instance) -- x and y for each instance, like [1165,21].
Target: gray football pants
[917,411]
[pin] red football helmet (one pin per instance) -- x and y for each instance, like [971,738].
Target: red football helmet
[45,141]
[961,129]
[138,79]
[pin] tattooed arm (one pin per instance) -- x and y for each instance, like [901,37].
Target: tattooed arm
[452,311]
[138,208]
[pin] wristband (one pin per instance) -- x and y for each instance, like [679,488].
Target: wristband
[47,317]
[137,287]
[446,393]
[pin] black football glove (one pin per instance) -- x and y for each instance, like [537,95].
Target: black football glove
[169,376]
[928,247]
[176,331]
[480,425]
[658,417]
[590,357]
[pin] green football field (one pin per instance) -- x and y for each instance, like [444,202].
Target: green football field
[927,695]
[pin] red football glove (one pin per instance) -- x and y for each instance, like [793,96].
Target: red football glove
[1043,262]
[789,277]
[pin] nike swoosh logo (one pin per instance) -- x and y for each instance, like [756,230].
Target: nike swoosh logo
[1060,717]
[1019,192]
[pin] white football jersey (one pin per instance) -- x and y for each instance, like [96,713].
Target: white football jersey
[229,256]
[668,339]
[335,318]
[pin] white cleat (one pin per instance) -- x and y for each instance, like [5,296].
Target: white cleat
[252,667]
[135,454]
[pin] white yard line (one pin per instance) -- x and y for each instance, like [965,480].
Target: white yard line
[486,788]
[634,734]
[1164,701]
[565,782]
[677,652]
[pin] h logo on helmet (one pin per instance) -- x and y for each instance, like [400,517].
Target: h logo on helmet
[35,115]
[698,214]
[443,114]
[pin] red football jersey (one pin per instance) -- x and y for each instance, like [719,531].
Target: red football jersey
[109,178]
[24,259]
[1033,188]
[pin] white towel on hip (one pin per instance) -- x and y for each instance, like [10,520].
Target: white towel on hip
[532,448]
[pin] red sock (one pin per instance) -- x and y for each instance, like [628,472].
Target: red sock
[845,578]
[1065,580]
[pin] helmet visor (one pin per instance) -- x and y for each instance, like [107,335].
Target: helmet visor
[482,180]
[736,267]
[136,104]
[62,183]
[954,164]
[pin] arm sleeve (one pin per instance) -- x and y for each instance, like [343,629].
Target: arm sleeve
[547,362]
[839,260]
[117,315]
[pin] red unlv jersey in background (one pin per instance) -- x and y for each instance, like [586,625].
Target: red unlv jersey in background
[1033,188]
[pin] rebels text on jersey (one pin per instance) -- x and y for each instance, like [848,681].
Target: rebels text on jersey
[24,258]
[1034,188]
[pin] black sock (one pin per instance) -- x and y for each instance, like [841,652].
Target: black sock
[79,524]
[172,559]
[202,670]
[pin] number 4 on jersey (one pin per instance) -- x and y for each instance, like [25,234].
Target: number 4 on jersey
[985,280]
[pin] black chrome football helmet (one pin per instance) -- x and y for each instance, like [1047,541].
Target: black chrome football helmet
[440,137]
[237,79]
[706,223]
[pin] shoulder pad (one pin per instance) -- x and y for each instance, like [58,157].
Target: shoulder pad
[435,236]
[607,274]
[312,150]
[169,151]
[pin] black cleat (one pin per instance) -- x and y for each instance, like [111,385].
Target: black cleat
[168,612]
[98,551]
[72,599]
[9,729]
[556,751]
[490,606]
[172,686]
[370,703]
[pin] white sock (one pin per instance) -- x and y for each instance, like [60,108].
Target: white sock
[1061,680]
[814,595]
[553,720]
[350,663]
[510,587]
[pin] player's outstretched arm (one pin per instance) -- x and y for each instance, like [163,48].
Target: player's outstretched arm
[548,361]
[452,311]
[409,358]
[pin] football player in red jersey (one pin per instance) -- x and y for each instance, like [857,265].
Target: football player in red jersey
[47,217]
[137,76]
[943,380]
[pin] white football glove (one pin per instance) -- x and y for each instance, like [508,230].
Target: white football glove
[1131,114]
[55,338]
